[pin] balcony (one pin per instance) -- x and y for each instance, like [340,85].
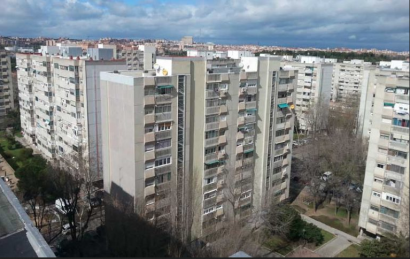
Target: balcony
[221,155]
[211,142]
[285,162]
[222,140]
[149,173]
[241,106]
[238,164]
[288,124]
[213,78]
[393,190]
[390,205]
[209,202]
[402,98]
[223,109]
[150,137]
[248,148]
[384,143]
[252,90]
[239,149]
[160,117]
[387,113]
[282,100]
[209,187]
[241,121]
[282,87]
[379,172]
[250,105]
[211,172]
[162,134]
[252,75]
[242,76]
[212,126]
[375,200]
[163,152]
[212,110]
[377,186]
[211,157]
[212,94]
[382,158]
[250,119]
[164,98]
[149,100]
[399,146]
[223,93]
[149,155]
[385,128]
[284,185]
[400,130]
[149,190]
[223,125]
[388,97]
[289,99]
[239,135]
[396,160]
[149,118]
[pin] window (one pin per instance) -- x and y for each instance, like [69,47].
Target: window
[391,198]
[149,165]
[378,180]
[210,150]
[218,207]
[164,91]
[376,194]
[149,147]
[209,195]
[277,158]
[163,109]
[209,210]
[164,126]
[389,212]
[212,102]
[212,118]
[150,182]
[374,222]
[149,129]
[163,161]
[383,136]
[211,134]
[149,111]
[372,207]
[396,168]
[387,226]
[245,195]
[380,166]
[277,170]
[163,143]
[210,180]
[163,178]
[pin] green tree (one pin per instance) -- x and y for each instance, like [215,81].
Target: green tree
[374,249]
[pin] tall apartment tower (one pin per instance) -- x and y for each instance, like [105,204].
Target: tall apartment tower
[385,201]
[6,88]
[140,57]
[314,85]
[60,105]
[180,142]
[348,79]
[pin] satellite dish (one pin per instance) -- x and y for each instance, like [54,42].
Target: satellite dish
[156,66]
[240,65]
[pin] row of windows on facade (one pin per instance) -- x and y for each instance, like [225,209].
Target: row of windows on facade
[387,197]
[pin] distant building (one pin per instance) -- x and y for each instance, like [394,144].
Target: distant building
[187,40]
[6,88]
[100,53]
[18,236]
[140,57]
[238,54]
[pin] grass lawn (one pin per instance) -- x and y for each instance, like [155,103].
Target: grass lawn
[18,134]
[351,251]
[278,245]
[327,236]
[337,224]
[342,213]
[16,153]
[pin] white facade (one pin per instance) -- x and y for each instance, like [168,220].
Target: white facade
[238,54]
[49,50]
[60,105]
[311,59]
[6,87]
[138,58]
[209,55]
[386,184]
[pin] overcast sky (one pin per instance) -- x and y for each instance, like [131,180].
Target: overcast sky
[382,24]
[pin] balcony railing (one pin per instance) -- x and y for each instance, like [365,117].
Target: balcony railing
[162,134]
[401,130]
[212,110]
[250,105]
[211,142]
[212,126]
[250,119]
[165,98]
[159,117]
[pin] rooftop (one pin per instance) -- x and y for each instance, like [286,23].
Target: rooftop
[18,237]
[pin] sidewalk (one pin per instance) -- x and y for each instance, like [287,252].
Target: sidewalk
[331,230]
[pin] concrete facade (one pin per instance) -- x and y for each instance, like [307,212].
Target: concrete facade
[181,141]
[6,88]
[138,58]
[314,85]
[60,106]
[386,190]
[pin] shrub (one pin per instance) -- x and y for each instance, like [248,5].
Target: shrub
[313,234]
[26,154]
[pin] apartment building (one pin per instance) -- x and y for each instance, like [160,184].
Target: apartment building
[59,99]
[180,142]
[385,199]
[348,79]
[238,54]
[140,57]
[6,88]
[314,85]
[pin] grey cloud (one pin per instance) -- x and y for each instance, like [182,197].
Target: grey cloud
[316,22]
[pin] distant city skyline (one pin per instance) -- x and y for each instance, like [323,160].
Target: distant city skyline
[309,23]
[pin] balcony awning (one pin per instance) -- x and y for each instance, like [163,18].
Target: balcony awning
[251,110]
[389,104]
[212,162]
[283,105]
[165,86]
[248,151]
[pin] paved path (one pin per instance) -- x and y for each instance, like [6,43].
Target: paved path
[333,247]
[332,230]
